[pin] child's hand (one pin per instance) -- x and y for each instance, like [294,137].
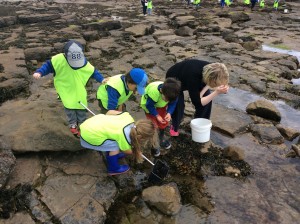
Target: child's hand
[168,117]
[223,89]
[160,119]
[36,75]
[104,80]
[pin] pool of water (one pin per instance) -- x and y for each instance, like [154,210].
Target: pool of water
[289,116]
[284,51]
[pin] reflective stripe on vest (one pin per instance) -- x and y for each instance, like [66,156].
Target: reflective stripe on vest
[116,83]
[153,92]
[97,129]
[70,83]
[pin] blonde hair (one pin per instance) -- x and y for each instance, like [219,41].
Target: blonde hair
[215,74]
[143,133]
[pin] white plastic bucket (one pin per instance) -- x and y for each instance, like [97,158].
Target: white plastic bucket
[201,129]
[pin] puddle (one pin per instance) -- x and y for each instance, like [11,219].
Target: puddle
[289,115]
[283,51]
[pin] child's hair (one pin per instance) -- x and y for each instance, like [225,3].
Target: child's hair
[171,89]
[128,78]
[144,132]
[215,74]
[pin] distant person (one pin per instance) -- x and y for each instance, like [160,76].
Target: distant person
[253,2]
[159,102]
[275,5]
[247,3]
[149,7]
[197,3]
[71,72]
[117,134]
[144,7]
[228,2]
[117,90]
[197,77]
[222,2]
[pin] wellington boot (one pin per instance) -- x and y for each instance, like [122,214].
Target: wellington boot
[121,155]
[114,168]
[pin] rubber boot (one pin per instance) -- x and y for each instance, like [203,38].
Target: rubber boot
[114,168]
[121,155]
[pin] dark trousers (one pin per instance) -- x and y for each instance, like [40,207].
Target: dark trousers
[201,111]
[144,8]
[253,2]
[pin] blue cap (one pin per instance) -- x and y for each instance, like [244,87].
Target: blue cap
[140,77]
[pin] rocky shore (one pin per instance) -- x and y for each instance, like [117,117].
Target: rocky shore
[247,173]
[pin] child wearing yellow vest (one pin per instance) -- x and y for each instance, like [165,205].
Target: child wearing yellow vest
[71,72]
[117,134]
[275,5]
[159,102]
[113,94]
[149,7]
[247,2]
[197,3]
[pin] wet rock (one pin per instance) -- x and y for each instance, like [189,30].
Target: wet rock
[86,210]
[36,18]
[27,171]
[296,149]
[158,33]
[37,208]
[251,45]
[76,198]
[20,217]
[294,152]
[18,68]
[234,153]
[267,133]
[231,122]
[232,171]
[165,198]
[7,21]
[230,36]
[259,87]
[143,62]
[184,31]
[265,109]
[38,53]
[12,88]
[223,22]
[238,17]
[188,214]
[183,21]
[288,133]
[7,163]
[29,122]
[138,30]
[91,35]
[290,64]
[103,25]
